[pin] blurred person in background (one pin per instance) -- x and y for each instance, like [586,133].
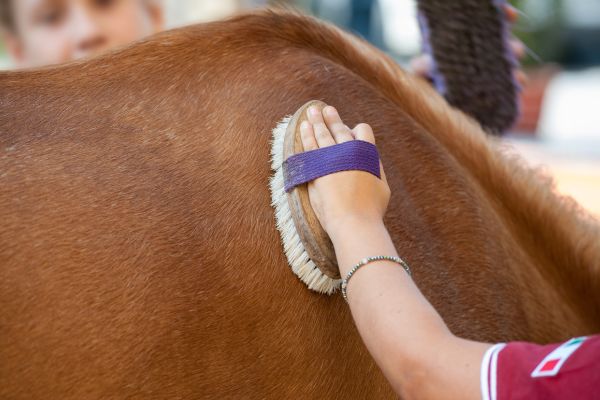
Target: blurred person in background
[42,32]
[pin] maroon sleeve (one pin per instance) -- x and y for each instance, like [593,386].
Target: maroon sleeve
[519,370]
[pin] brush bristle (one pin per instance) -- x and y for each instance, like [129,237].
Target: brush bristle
[297,257]
[472,60]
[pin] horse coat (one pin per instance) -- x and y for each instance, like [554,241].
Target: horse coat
[138,252]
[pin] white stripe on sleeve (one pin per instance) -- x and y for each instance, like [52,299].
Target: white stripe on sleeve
[494,372]
[486,363]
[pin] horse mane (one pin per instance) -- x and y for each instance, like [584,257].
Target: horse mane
[551,227]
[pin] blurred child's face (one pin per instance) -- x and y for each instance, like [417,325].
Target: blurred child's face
[55,31]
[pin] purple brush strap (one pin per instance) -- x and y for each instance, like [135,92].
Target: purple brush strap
[304,167]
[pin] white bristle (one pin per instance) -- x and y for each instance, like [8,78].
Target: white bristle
[294,250]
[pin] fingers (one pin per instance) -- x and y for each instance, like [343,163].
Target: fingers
[521,78]
[421,65]
[326,128]
[364,132]
[307,134]
[512,14]
[518,48]
[322,134]
[338,129]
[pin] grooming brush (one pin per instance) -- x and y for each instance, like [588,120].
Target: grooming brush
[307,246]
[473,63]
[305,242]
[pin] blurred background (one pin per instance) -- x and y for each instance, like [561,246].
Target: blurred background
[559,128]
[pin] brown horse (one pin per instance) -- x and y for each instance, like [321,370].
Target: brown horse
[138,252]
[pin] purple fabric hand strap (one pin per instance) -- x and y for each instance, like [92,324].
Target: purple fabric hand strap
[310,165]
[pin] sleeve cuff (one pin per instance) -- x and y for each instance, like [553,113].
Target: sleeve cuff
[489,369]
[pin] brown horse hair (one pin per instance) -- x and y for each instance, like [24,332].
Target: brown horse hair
[138,251]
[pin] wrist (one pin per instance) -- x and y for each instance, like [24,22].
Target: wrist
[357,238]
[352,226]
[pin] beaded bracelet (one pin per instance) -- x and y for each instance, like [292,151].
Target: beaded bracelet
[367,260]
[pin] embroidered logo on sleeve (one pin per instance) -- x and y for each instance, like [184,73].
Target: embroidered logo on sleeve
[552,363]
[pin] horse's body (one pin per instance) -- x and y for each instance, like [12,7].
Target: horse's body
[138,252]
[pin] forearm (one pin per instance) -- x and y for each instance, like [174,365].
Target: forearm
[403,332]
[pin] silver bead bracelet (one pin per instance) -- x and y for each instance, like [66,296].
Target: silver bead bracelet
[367,260]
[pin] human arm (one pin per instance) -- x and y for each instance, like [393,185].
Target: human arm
[407,338]
[402,331]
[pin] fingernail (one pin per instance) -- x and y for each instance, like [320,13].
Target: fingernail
[518,47]
[422,65]
[314,110]
[330,111]
[511,13]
